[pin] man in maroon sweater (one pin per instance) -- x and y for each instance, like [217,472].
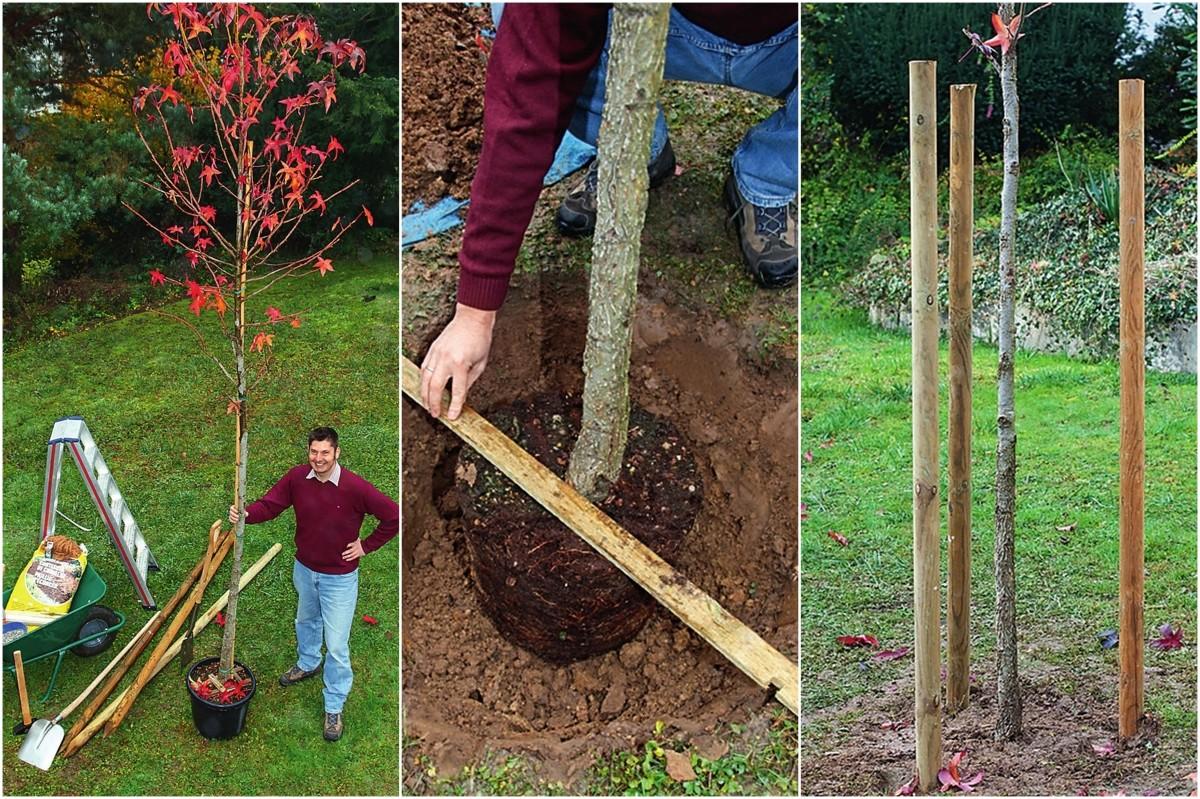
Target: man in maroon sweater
[330,503]
[546,75]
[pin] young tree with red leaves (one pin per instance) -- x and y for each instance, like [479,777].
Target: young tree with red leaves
[242,198]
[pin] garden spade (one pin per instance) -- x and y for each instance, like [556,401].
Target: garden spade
[46,735]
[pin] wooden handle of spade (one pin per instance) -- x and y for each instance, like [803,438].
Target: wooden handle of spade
[19,665]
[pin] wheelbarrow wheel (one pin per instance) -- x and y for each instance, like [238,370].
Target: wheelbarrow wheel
[98,619]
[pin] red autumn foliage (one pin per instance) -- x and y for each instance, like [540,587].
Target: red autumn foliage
[231,690]
[1168,638]
[244,194]
[950,778]
[858,640]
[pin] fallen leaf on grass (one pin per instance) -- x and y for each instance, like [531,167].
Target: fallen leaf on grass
[908,788]
[827,443]
[371,620]
[841,539]
[803,512]
[891,654]
[1066,528]
[949,776]
[1103,749]
[1108,638]
[858,640]
[808,455]
[220,619]
[1169,638]
[679,766]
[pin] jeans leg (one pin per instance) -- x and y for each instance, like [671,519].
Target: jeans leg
[585,124]
[339,595]
[308,617]
[765,163]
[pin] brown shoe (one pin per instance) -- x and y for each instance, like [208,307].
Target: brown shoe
[295,674]
[333,726]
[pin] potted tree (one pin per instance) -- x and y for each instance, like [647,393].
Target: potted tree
[237,88]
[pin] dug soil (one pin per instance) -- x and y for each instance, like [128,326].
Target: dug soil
[443,64]
[868,746]
[467,690]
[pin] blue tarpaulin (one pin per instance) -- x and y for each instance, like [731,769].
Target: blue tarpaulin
[421,222]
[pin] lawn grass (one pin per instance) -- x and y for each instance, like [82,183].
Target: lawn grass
[856,423]
[156,408]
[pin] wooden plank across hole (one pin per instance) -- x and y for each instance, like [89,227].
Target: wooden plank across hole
[739,644]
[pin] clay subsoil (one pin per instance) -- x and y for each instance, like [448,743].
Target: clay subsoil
[443,67]
[855,749]
[467,690]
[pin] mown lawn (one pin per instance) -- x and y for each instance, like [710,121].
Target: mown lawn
[156,408]
[856,423]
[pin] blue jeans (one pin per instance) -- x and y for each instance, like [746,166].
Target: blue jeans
[325,611]
[765,163]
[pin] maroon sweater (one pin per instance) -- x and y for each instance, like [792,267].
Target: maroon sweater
[328,516]
[541,59]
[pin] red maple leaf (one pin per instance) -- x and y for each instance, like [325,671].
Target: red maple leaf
[270,222]
[296,322]
[208,173]
[262,340]
[949,776]
[841,539]
[208,213]
[858,640]
[273,314]
[370,620]
[157,278]
[220,615]
[1168,638]
[318,201]
[324,265]
[334,147]
[367,214]
[1005,35]
[169,93]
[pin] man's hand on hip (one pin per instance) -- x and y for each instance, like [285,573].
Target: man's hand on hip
[458,356]
[354,551]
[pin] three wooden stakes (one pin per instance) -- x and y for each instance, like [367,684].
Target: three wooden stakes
[925,326]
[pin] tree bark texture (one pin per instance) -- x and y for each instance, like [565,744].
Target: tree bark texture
[242,454]
[1008,693]
[962,217]
[635,66]
[922,126]
[1133,385]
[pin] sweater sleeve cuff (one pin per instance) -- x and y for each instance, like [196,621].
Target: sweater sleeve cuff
[484,293]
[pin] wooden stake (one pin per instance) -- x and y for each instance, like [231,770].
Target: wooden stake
[84,735]
[215,554]
[922,129]
[1133,444]
[134,653]
[962,259]
[743,647]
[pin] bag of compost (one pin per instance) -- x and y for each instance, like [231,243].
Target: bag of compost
[49,581]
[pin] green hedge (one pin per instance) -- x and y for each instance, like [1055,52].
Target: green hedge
[1067,264]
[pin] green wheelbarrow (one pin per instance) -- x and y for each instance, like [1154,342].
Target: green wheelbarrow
[87,630]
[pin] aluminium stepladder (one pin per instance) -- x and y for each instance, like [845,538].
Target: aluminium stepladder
[71,437]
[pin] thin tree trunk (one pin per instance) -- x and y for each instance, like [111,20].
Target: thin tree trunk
[1008,694]
[229,639]
[635,66]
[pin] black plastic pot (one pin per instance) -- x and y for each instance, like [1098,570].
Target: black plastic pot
[212,719]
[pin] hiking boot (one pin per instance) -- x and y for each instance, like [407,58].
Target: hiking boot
[333,726]
[295,674]
[767,237]
[577,213]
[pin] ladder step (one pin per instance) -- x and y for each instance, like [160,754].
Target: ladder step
[110,502]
